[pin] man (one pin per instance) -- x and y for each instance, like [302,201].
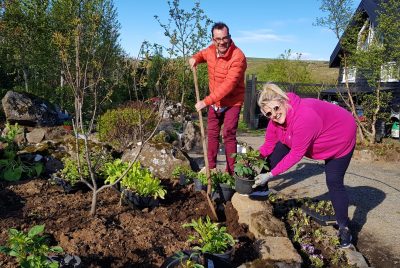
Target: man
[226,67]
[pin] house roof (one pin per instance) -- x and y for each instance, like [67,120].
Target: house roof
[370,8]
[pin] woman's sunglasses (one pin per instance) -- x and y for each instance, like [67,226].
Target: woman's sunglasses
[275,109]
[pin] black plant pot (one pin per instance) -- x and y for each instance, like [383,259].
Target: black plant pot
[243,185]
[219,260]
[198,186]
[226,192]
[68,187]
[177,259]
[140,201]
[67,261]
[321,219]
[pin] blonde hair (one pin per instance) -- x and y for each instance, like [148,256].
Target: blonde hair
[271,92]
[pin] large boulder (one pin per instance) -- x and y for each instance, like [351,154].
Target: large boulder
[160,158]
[27,109]
[191,140]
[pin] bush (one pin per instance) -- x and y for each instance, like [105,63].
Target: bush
[128,124]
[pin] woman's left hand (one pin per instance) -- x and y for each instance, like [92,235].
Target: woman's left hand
[262,179]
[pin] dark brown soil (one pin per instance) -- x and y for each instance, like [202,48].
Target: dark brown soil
[118,236]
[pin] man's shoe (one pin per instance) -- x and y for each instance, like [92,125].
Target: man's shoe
[344,237]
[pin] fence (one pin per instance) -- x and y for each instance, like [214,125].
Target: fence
[251,114]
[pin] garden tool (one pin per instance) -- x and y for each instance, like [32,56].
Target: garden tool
[203,138]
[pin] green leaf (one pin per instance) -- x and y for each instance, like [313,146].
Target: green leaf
[13,174]
[35,230]
[56,249]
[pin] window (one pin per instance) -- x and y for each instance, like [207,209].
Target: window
[390,72]
[349,74]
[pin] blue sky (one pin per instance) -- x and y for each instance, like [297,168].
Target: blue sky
[261,28]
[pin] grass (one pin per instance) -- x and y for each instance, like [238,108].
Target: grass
[320,71]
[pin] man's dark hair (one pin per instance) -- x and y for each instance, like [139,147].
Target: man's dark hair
[219,26]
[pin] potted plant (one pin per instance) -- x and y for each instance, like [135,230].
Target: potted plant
[67,125]
[184,174]
[247,167]
[138,186]
[69,178]
[211,239]
[320,211]
[183,259]
[200,182]
[30,249]
[224,184]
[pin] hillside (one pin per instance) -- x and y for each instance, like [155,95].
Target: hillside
[320,71]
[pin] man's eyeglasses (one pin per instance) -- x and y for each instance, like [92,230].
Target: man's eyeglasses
[225,39]
[269,114]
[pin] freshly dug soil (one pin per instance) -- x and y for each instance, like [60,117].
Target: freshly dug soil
[118,236]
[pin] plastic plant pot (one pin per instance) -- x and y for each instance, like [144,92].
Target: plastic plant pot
[219,260]
[243,185]
[198,186]
[321,219]
[226,191]
[177,259]
[140,201]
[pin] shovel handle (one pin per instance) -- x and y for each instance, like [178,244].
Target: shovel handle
[203,137]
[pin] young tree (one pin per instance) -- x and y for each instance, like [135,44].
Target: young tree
[188,33]
[338,18]
[88,50]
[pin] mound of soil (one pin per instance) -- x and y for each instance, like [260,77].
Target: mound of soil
[118,236]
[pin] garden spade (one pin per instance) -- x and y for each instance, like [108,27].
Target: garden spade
[203,138]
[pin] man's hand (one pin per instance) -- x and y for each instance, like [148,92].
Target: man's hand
[262,179]
[200,105]
[192,63]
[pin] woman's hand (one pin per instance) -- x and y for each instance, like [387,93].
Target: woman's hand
[262,179]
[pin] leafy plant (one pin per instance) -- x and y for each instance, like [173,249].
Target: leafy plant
[188,262]
[210,237]
[137,179]
[222,177]
[67,123]
[185,171]
[31,249]
[12,166]
[70,171]
[248,165]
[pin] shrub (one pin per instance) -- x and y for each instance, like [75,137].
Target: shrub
[30,249]
[124,125]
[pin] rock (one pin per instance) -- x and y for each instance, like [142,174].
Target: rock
[191,139]
[36,135]
[264,224]
[160,158]
[355,258]
[27,109]
[53,165]
[275,248]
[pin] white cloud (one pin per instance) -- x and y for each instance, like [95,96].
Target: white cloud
[260,35]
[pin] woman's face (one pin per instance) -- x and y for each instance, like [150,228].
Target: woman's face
[276,111]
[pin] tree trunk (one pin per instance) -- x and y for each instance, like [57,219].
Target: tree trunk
[94,203]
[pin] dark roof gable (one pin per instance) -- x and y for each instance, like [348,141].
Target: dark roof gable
[370,8]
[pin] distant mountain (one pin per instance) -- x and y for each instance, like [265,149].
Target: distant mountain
[320,71]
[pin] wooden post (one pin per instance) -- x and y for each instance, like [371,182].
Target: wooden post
[253,104]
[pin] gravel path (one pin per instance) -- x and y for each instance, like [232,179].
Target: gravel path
[374,191]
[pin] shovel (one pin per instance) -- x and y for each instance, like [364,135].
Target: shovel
[203,138]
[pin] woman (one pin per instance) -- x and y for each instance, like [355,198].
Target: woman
[315,129]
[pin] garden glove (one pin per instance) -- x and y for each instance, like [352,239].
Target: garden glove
[262,179]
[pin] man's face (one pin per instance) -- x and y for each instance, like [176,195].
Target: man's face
[221,39]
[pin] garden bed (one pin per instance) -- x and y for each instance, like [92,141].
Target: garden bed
[118,236]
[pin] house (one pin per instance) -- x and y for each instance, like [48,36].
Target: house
[358,84]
